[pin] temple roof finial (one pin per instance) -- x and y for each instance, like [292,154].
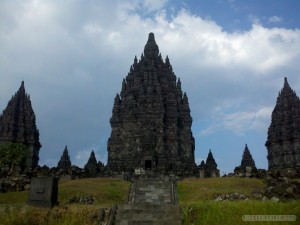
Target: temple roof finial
[286,82]
[22,87]
[151,49]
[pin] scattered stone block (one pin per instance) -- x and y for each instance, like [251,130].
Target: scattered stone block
[43,192]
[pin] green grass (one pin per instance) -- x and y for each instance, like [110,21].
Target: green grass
[227,213]
[193,189]
[195,199]
[15,211]
[198,206]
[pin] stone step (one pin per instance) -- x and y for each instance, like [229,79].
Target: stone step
[150,202]
[148,214]
[162,222]
[156,192]
[145,206]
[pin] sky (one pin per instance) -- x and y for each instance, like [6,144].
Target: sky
[231,57]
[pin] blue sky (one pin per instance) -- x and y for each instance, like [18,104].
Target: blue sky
[231,57]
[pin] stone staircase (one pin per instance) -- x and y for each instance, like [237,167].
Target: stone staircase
[150,203]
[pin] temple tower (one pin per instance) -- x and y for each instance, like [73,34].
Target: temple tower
[64,162]
[247,160]
[283,143]
[17,124]
[151,121]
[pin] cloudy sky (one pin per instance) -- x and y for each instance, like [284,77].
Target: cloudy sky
[231,57]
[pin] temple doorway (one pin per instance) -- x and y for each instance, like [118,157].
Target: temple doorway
[148,164]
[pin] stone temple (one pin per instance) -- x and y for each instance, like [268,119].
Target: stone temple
[151,121]
[283,141]
[247,167]
[17,124]
[247,160]
[209,168]
[65,161]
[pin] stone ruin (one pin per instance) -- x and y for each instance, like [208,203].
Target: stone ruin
[151,121]
[209,168]
[283,143]
[43,192]
[18,125]
[247,167]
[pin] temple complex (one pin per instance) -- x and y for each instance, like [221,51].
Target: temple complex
[17,124]
[151,121]
[283,143]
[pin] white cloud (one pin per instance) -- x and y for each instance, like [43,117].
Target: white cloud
[240,122]
[74,55]
[274,19]
[153,5]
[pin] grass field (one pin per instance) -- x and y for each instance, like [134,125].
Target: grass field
[15,211]
[195,199]
[198,206]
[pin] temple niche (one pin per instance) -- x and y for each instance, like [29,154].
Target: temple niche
[283,143]
[151,121]
[18,125]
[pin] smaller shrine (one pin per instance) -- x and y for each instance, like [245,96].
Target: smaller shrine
[209,168]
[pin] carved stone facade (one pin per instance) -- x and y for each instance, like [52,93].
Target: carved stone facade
[17,124]
[64,162]
[209,168]
[151,121]
[283,142]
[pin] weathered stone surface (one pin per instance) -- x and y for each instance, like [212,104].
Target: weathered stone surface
[209,168]
[64,162]
[43,191]
[85,199]
[14,182]
[283,141]
[230,197]
[281,188]
[150,202]
[17,124]
[151,121]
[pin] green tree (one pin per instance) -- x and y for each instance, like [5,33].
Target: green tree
[13,154]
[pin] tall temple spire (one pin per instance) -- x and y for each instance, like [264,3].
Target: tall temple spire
[151,49]
[284,131]
[151,121]
[91,167]
[17,124]
[64,162]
